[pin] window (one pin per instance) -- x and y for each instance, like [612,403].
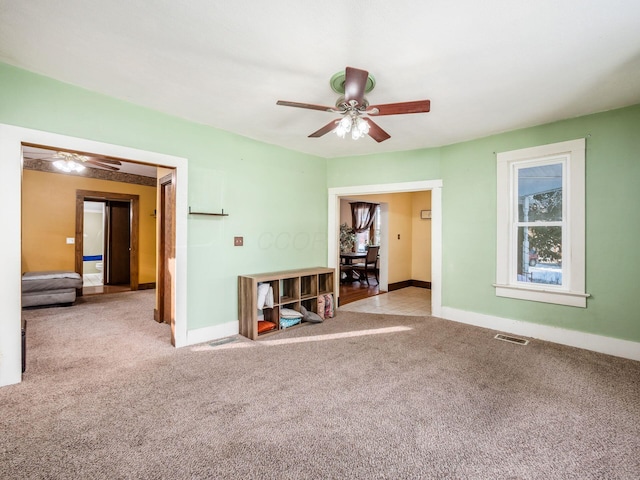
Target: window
[370,236]
[540,238]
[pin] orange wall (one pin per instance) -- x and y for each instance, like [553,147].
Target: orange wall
[420,237]
[49,215]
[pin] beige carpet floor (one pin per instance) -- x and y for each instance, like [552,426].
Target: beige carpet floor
[359,396]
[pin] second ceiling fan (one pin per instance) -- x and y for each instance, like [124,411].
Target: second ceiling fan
[355,109]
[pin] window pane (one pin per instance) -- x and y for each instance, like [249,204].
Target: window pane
[362,240]
[540,193]
[540,255]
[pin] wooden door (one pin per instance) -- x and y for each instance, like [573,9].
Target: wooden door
[166,254]
[118,243]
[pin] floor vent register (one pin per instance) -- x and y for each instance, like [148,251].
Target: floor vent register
[507,338]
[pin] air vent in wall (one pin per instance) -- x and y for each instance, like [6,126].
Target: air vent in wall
[507,338]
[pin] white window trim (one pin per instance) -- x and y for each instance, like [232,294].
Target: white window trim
[572,292]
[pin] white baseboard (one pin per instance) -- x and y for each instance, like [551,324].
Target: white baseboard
[207,334]
[572,338]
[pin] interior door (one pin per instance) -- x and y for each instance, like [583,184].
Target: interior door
[118,243]
[167,254]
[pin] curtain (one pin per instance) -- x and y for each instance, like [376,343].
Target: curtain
[362,215]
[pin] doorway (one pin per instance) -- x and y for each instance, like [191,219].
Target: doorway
[354,246]
[106,256]
[94,245]
[120,257]
[435,186]
[12,139]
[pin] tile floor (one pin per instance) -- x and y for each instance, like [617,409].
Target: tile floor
[92,280]
[406,301]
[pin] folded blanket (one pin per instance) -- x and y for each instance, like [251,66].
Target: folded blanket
[289,313]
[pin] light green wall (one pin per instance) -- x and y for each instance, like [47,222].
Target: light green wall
[276,198]
[468,171]
[379,169]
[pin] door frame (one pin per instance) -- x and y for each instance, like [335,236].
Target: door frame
[134,223]
[11,140]
[163,267]
[333,230]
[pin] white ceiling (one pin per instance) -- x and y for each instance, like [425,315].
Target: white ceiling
[487,66]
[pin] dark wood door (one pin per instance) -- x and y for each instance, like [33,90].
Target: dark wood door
[118,243]
[167,254]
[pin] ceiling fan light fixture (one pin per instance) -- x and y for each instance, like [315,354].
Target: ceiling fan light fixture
[354,83]
[344,126]
[353,124]
[69,162]
[363,126]
[68,166]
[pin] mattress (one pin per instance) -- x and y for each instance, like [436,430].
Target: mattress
[50,281]
[49,297]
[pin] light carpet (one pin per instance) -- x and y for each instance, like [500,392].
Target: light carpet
[358,396]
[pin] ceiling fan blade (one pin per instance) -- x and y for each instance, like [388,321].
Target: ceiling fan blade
[310,106]
[95,163]
[102,159]
[375,132]
[419,106]
[326,129]
[355,81]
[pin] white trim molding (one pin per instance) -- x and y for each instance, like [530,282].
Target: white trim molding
[11,139]
[572,338]
[571,155]
[209,334]
[435,186]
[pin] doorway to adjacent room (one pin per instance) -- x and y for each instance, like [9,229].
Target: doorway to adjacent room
[107,246]
[120,237]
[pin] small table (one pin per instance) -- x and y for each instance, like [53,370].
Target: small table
[347,258]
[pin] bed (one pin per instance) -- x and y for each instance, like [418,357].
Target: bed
[50,288]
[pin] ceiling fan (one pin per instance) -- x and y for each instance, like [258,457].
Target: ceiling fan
[355,109]
[72,161]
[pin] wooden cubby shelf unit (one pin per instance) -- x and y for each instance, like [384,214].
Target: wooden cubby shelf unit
[291,289]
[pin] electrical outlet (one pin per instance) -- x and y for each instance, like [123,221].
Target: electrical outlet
[398,236]
[238,241]
[71,240]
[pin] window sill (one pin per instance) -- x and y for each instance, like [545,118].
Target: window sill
[559,297]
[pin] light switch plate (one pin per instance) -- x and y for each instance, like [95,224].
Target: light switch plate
[71,240]
[238,241]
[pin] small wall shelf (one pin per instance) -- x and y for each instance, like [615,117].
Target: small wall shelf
[208,213]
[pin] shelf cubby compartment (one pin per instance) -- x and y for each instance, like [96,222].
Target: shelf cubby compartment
[325,283]
[289,290]
[293,306]
[311,304]
[270,315]
[308,286]
[275,286]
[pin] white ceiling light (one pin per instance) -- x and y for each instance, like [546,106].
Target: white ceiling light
[69,162]
[353,123]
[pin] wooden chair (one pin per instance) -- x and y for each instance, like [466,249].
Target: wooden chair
[369,265]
